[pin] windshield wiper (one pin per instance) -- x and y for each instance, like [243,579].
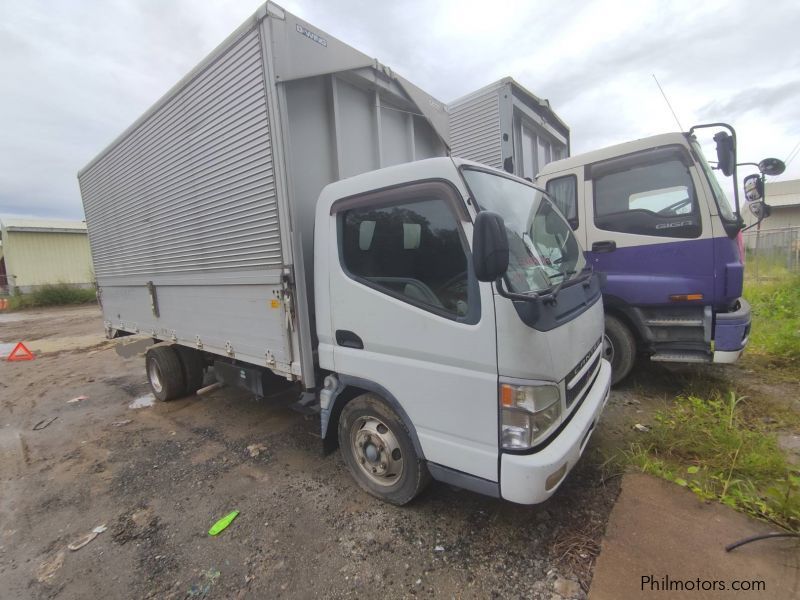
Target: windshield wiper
[549,296]
[552,294]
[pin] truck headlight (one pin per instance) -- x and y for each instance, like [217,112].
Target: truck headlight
[527,414]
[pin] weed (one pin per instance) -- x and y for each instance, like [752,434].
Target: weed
[712,447]
[52,295]
[775,308]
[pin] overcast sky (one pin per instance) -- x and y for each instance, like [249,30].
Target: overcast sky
[76,73]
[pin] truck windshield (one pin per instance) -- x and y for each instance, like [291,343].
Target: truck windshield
[543,251]
[724,207]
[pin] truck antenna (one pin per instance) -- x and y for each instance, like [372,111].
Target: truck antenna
[680,127]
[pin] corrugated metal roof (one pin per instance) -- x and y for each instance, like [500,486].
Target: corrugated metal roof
[783,193]
[33,225]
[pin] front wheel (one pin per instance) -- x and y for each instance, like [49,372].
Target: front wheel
[619,348]
[378,450]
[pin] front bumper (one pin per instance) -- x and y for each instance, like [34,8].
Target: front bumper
[731,333]
[524,477]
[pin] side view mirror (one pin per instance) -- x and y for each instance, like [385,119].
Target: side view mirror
[753,188]
[726,153]
[772,166]
[489,246]
[760,210]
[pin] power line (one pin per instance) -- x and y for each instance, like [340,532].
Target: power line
[788,160]
[793,154]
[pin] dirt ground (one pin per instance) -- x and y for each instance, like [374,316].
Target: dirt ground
[158,476]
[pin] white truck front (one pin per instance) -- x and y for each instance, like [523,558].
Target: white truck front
[458,331]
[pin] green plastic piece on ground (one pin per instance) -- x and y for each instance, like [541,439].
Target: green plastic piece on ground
[223,523]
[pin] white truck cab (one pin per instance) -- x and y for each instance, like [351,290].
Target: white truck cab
[496,390]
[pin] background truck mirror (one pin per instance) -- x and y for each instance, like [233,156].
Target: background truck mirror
[760,210]
[753,188]
[726,153]
[772,166]
[489,246]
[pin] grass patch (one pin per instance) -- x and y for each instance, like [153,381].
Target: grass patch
[719,450]
[776,318]
[58,294]
[766,267]
[718,438]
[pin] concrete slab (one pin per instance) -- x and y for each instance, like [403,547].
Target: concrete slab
[662,531]
[67,343]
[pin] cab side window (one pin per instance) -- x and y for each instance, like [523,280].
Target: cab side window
[564,192]
[656,199]
[412,251]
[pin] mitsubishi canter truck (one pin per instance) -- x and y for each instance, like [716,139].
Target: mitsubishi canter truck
[288,215]
[655,221]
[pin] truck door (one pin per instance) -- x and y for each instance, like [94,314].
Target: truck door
[408,314]
[647,229]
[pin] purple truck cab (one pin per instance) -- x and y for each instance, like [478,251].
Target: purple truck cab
[654,220]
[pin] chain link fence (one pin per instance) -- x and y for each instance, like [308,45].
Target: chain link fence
[772,251]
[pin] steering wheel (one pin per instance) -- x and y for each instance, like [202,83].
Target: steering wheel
[458,278]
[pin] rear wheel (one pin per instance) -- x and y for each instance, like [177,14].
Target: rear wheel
[165,373]
[619,348]
[194,368]
[378,450]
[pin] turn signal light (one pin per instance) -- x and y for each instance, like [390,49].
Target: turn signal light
[555,478]
[506,395]
[685,297]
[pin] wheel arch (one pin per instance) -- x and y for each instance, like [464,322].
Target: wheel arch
[349,388]
[614,307]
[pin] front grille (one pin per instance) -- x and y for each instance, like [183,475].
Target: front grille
[575,391]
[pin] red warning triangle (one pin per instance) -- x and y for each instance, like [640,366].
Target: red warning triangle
[20,352]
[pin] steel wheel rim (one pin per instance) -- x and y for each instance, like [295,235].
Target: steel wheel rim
[377,451]
[155,377]
[608,349]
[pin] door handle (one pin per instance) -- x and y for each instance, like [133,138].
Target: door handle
[604,246]
[348,339]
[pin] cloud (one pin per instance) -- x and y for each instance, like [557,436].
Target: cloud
[774,99]
[79,73]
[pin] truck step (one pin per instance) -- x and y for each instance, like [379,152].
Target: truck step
[674,322]
[686,357]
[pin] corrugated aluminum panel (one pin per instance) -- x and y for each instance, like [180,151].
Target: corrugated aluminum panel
[191,190]
[188,198]
[475,129]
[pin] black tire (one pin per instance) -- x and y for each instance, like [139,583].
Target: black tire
[619,348]
[358,418]
[194,368]
[165,373]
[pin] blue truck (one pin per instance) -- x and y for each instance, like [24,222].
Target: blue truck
[654,220]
